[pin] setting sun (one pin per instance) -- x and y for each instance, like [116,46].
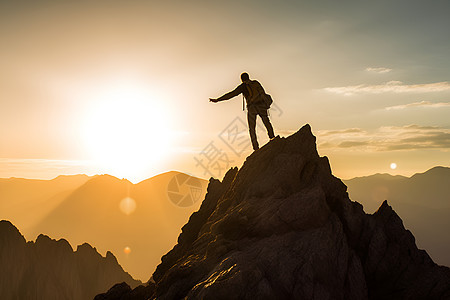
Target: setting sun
[126,131]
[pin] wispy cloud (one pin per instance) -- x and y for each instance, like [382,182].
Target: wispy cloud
[341,132]
[411,137]
[379,70]
[390,87]
[421,104]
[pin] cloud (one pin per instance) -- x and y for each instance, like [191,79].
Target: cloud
[351,144]
[341,132]
[436,140]
[421,104]
[410,137]
[390,87]
[409,128]
[378,70]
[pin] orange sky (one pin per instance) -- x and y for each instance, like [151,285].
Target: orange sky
[122,87]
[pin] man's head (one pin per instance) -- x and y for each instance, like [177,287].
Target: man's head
[245,77]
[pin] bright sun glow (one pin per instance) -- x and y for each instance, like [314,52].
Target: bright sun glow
[393,166]
[126,131]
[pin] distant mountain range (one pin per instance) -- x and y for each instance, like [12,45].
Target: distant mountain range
[423,202]
[26,202]
[50,269]
[92,209]
[137,222]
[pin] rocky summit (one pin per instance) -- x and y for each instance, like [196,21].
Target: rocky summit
[283,227]
[50,269]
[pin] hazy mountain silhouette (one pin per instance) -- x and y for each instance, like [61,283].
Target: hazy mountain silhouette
[423,201]
[283,227]
[25,202]
[148,221]
[50,269]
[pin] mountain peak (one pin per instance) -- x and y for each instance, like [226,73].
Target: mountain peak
[282,226]
[106,178]
[45,242]
[67,274]
[437,171]
[75,176]
[8,232]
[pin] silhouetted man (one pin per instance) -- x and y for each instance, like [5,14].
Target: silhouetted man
[253,93]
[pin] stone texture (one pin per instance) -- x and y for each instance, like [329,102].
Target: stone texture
[50,269]
[283,227]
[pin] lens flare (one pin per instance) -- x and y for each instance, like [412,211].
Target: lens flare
[127,205]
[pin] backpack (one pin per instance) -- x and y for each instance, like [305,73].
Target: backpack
[257,94]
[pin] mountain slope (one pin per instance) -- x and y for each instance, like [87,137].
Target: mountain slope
[26,202]
[423,201]
[137,222]
[283,227]
[50,269]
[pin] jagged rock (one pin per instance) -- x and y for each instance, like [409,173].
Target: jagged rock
[123,291]
[117,292]
[50,269]
[283,227]
[422,200]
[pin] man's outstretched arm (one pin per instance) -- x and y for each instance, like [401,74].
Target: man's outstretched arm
[228,95]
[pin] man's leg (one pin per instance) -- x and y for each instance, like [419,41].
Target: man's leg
[265,118]
[251,118]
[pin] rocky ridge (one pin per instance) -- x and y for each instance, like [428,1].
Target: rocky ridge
[50,269]
[283,227]
[422,200]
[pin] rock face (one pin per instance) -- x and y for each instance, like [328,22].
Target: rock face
[423,201]
[283,227]
[50,269]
